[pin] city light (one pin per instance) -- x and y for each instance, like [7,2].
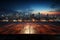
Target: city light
[19,20]
[51,20]
[33,20]
[5,20]
[43,20]
[14,20]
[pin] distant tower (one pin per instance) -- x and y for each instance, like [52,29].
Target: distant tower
[47,17]
[39,15]
[32,16]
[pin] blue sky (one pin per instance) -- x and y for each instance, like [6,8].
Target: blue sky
[36,5]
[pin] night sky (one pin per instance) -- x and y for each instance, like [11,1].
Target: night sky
[33,5]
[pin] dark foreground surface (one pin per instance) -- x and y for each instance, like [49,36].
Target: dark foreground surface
[30,31]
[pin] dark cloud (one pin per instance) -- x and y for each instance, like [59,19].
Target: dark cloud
[56,5]
[25,4]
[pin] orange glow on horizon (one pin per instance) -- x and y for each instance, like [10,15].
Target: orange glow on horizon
[46,12]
